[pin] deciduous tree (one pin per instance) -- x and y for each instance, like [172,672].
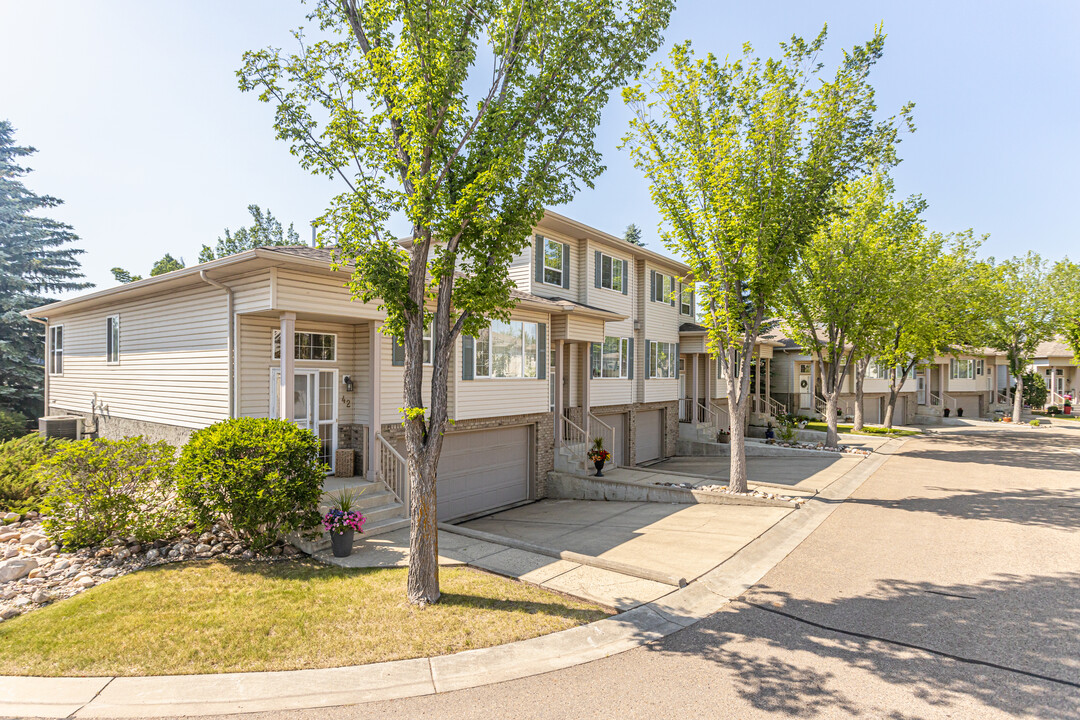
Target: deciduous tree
[467,118]
[742,158]
[265,230]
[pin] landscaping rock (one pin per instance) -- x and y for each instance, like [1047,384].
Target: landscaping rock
[12,517]
[9,535]
[42,545]
[152,555]
[85,581]
[21,601]
[40,597]
[109,573]
[16,568]
[29,538]
[8,613]
[217,549]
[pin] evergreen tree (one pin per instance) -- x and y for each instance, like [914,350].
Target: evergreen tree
[633,235]
[36,260]
[266,230]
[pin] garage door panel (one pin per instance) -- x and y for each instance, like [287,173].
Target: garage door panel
[648,445]
[483,470]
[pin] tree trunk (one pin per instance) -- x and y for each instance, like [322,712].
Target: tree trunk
[860,376]
[1018,398]
[423,582]
[890,408]
[737,481]
[832,434]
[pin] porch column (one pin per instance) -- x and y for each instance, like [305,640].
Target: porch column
[585,383]
[375,349]
[768,374]
[757,384]
[287,370]
[694,381]
[559,355]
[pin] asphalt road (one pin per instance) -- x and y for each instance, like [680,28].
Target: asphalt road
[947,586]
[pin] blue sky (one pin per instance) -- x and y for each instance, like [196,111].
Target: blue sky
[142,131]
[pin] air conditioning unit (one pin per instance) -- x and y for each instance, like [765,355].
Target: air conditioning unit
[65,427]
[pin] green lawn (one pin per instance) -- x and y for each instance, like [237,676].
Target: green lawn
[867,430]
[231,616]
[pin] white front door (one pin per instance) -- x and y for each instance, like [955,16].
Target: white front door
[806,396]
[314,406]
[922,389]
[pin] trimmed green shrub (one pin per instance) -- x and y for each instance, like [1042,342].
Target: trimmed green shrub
[21,486]
[12,425]
[1052,410]
[101,489]
[258,477]
[1034,423]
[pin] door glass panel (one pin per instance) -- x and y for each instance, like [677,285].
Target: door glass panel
[302,400]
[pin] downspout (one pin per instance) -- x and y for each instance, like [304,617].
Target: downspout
[45,366]
[231,335]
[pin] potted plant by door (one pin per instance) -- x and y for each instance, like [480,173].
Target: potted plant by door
[341,521]
[599,456]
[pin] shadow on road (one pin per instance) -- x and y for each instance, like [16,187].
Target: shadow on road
[1032,506]
[1033,450]
[789,656]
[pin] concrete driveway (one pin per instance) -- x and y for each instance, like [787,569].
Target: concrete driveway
[810,472]
[688,540]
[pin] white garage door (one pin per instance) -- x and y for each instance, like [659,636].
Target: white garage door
[618,427]
[970,404]
[871,410]
[647,438]
[483,470]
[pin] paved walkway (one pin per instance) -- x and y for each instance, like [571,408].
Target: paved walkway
[206,695]
[807,473]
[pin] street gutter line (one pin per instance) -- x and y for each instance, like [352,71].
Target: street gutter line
[901,643]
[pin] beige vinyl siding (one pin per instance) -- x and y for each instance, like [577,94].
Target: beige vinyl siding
[315,292]
[256,362]
[611,391]
[783,371]
[251,293]
[661,325]
[496,397]
[393,384]
[173,368]
[691,344]
[521,268]
[641,290]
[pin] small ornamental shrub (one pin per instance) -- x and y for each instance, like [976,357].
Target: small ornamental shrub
[259,478]
[102,489]
[21,487]
[1034,423]
[1052,410]
[12,425]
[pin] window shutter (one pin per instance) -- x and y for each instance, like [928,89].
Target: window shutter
[596,269]
[397,354]
[594,360]
[676,360]
[565,265]
[693,303]
[648,360]
[625,280]
[538,258]
[678,295]
[542,351]
[674,295]
[652,296]
[468,356]
[630,359]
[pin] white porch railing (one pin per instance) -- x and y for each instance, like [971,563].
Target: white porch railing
[1001,397]
[935,398]
[686,410]
[950,402]
[392,470]
[601,429]
[822,407]
[574,438]
[776,408]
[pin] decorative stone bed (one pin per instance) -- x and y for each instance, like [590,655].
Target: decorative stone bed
[34,572]
[796,501]
[844,449]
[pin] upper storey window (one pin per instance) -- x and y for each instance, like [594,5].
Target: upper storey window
[611,273]
[555,263]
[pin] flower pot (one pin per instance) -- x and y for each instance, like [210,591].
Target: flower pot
[342,543]
[599,465]
[723,439]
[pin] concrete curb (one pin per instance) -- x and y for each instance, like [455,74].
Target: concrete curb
[563,486]
[226,693]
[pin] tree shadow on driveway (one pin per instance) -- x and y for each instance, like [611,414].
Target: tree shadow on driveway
[1034,450]
[1053,508]
[937,643]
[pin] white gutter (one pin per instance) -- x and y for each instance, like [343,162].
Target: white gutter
[231,334]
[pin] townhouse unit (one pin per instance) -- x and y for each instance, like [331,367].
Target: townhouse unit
[973,382]
[592,348]
[1055,362]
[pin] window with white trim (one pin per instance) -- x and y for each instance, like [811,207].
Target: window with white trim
[961,369]
[663,288]
[611,273]
[56,350]
[662,361]
[112,339]
[506,350]
[980,366]
[309,346]
[611,358]
[553,262]
[686,301]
